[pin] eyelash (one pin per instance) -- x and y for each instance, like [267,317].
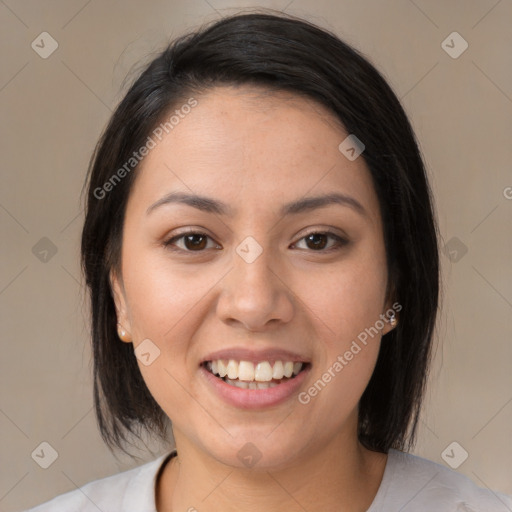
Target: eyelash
[342,242]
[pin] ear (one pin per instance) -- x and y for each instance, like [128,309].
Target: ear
[123,319]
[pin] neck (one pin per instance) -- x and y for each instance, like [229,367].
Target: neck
[344,476]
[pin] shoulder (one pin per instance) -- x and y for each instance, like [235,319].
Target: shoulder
[418,484]
[131,490]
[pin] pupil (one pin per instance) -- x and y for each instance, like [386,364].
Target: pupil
[317,244]
[189,239]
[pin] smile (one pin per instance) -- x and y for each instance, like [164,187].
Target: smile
[249,375]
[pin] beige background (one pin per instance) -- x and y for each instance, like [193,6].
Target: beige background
[54,110]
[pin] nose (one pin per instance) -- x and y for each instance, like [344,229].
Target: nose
[255,295]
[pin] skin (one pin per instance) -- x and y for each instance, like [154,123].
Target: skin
[255,151]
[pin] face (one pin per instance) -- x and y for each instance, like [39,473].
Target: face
[255,281]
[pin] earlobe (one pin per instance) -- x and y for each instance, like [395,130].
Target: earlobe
[123,323]
[393,321]
[391,317]
[390,323]
[123,334]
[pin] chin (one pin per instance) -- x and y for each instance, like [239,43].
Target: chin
[254,449]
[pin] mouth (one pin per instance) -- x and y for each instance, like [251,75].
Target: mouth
[255,375]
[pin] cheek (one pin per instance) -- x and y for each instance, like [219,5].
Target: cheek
[346,304]
[336,389]
[161,297]
[167,302]
[164,308]
[348,299]
[350,306]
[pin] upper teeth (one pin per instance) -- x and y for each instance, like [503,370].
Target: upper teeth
[248,371]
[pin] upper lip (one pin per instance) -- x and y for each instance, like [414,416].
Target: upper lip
[255,356]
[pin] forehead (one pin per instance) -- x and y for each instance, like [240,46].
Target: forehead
[250,147]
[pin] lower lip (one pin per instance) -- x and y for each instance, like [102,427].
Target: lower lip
[254,398]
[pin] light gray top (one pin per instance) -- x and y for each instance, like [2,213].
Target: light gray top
[410,484]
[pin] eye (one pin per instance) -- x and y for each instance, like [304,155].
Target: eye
[317,241]
[194,241]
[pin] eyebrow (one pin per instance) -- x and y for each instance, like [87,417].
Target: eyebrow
[210,205]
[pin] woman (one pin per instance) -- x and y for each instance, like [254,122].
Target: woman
[262,256]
